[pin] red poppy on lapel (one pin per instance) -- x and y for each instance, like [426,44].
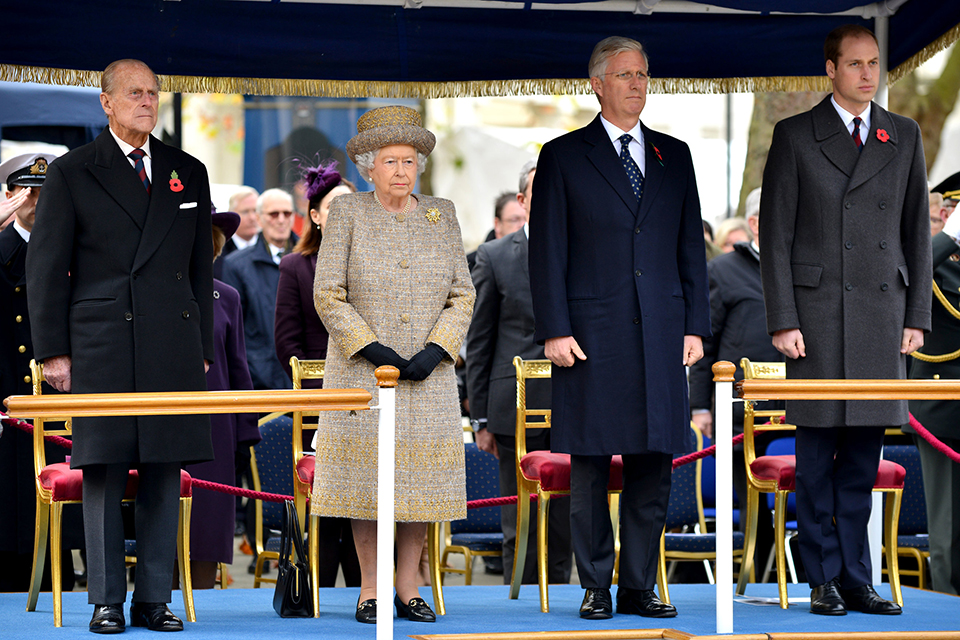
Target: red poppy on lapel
[175,185]
[657,151]
[882,135]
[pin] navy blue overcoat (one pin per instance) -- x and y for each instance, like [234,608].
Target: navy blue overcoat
[627,281]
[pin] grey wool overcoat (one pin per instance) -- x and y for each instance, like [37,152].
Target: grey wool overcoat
[846,254]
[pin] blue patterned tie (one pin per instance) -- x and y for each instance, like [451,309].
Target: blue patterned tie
[856,133]
[137,156]
[633,171]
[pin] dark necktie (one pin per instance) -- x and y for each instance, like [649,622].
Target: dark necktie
[633,171]
[137,156]
[856,133]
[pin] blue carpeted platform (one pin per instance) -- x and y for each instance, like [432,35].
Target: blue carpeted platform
[247,613]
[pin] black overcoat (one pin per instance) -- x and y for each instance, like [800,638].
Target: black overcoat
[626,281]
[846,254]
[122,282]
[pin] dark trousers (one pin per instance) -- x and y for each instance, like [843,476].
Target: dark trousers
[156,515]
[643,510]
[560,560]
[836,471]
[336,549]
[941,485]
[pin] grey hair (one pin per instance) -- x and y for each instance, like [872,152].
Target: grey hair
[273,193]
[528,167]
[752,204]
[239,195]
[608,48]
[364,162]
[108,77]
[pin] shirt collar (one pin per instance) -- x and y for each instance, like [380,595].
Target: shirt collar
[126,148]
[848,117]
[526,229]
[243,244]
[23,232]
[615,132]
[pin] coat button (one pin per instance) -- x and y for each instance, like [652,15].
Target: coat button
[637,230]
[404,317]
[404,264]
[22,349]
[638,272]
[848,287]
[883,205]
[401,217]
[883,244]
[19,319]
[17,290]
[179,276]
[636,321]
[128,316]
[884,287]
[26,379]
[185,314]
[847,205]
[848,244]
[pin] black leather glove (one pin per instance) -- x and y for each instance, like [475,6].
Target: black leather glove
[423,364]
[379,355]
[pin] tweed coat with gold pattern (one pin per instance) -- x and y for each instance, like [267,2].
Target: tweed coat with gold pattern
[401,280]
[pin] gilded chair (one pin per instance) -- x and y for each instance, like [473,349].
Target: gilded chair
[686,538]
[912,538]
[479,534]
[777,475]
[59,485]
[545,474]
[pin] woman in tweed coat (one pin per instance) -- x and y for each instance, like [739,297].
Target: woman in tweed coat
[392,287]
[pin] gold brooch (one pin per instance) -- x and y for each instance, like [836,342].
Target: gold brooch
[433,215]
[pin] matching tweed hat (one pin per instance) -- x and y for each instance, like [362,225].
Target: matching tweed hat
[385,126]
[949,188]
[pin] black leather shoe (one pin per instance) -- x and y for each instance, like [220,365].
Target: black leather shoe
[154,616]
[416,610]
[367,611]
[865,600]
[643,602]
[107,618]
[596,604]
[826,600]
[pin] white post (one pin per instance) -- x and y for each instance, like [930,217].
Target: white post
[386,464]
[722,434]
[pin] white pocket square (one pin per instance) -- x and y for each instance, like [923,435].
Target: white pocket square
[188,205]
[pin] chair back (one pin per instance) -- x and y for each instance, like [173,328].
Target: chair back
[272,469]
[537,418]
[483,481]
[44,426]
[770,420]
[783,447]
[913,508]
[686,500]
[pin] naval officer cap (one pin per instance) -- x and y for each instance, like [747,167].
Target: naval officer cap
[26,170]
[949,188]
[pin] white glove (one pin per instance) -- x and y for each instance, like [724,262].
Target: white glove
[952,226]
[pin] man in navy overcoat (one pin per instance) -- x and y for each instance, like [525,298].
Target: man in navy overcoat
[620,297]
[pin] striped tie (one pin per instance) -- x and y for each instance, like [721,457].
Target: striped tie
[633,171]
[856,133]
[137,156]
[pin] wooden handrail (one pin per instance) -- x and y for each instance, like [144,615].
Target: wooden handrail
[186,402]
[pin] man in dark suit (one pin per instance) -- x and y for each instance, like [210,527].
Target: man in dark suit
[941,476]
[618,275]
[846,283]
[121,300]
[502,328]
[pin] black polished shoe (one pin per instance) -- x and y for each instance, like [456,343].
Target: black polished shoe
[367,611]
[643,602]
[154,616]
[107,618]
[596,604]
[416,610]
[866,600]
[826,600]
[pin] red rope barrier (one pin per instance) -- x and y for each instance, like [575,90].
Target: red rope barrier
[932,439]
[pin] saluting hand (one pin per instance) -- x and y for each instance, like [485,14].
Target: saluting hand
[564,351]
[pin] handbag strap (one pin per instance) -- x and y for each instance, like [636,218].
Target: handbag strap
[293,527]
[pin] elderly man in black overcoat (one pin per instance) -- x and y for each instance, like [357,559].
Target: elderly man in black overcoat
[121,299]
[619,281]
[846,282]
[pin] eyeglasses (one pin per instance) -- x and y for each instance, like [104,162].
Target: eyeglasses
[626,76]
[274,214]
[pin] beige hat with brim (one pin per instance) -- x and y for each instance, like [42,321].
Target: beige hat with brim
[385,126]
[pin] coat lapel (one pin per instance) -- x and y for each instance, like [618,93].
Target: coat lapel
[164,203]
[834,139]
[521,252]
[654,172]
[876,154]
[118,178]
[604,158]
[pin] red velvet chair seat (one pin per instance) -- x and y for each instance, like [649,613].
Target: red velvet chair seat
[552,470]
[783,470]
[66,484]
[305,469]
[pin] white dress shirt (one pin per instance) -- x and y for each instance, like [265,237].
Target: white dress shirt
[127,148]
[636,145]
[848,117]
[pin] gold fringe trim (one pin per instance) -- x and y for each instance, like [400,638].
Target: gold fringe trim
[378,89]
[923,55]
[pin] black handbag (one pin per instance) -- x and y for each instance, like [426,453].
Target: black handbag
[292,597]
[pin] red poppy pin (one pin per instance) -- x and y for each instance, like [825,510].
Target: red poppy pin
[657,151]
[175,185]
[882,135]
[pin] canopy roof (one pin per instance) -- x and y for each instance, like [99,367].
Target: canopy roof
[438,48]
